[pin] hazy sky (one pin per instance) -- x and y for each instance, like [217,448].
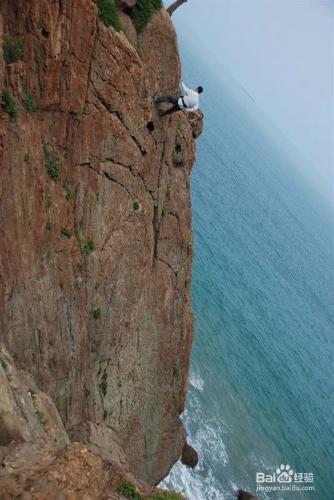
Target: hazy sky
[281,52]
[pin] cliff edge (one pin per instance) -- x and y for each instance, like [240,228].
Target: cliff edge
[95,224]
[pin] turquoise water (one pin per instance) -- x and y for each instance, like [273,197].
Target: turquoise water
[261,383]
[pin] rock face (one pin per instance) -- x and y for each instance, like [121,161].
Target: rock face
[95,227]
[25,412]
[37,459]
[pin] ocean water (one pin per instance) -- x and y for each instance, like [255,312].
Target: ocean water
[261,388]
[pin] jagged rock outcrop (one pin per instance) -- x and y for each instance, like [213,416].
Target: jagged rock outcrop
[37,459]
[25,412]
[95,225]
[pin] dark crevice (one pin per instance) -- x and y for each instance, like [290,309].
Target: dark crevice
[150,126]
[156,231]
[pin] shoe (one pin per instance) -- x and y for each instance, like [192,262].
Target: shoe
[155,99]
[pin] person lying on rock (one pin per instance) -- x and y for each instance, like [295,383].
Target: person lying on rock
[189,101]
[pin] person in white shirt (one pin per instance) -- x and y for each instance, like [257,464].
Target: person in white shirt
[188,102]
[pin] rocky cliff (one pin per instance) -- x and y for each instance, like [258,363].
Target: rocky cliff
[95,225]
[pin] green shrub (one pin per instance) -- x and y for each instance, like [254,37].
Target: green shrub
[68,188]
[108,14]
[88,247]
[168,191]
[163,212]
[27,157]
[66,232]
[136,206]
[12,49]
[97,194]
[128,490]
[96,313]
[51,164]
[142,12]
[8,104]
[49,225]
[29,102]
[168,495]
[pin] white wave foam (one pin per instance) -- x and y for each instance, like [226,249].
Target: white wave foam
[196,381]
[191,485]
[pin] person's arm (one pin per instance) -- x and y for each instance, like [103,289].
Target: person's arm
[185,88]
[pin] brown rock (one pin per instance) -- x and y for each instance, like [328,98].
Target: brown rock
[196,122]
[189,456]
[45,465]
[25,412]
[129,29]
[102,441]
[244,495]
[112,235]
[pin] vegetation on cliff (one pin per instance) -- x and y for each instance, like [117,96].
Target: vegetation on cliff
[142,12]
[108,14]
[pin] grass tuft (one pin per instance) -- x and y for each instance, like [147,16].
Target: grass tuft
[96,313]
[66,232]
[142,12]
[168,495]
[12,49]
[67,185]
[29,102]
[86,247]
[129,491]
[8,104]
[108,14]
[51,164]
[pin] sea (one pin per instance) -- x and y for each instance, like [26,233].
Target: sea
[261,385]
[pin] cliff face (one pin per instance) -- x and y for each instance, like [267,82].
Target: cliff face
[95,225]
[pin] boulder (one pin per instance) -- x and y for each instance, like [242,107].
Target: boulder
[244,495]
[189,456]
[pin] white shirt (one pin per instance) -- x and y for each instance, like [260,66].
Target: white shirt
[190,98]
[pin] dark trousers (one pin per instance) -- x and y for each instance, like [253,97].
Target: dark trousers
[172,100]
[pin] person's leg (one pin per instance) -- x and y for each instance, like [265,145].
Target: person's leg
[171,110]
[166,98]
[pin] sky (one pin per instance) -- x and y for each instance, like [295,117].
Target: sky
[281,52]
